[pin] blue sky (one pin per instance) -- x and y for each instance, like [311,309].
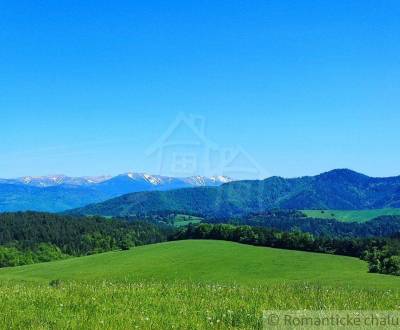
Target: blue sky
[87,86]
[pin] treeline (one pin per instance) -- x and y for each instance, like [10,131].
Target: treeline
[28,237]
[382,254]
[282,220]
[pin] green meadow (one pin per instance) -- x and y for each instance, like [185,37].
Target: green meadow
[207,261]
[186,284]
[350,215]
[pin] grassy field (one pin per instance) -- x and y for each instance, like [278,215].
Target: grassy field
[186,284]
[351,215]
[208,262]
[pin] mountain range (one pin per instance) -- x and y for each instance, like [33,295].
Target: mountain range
[340,189]
[57,193]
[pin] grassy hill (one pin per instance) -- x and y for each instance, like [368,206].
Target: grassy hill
[350,215]
[187,285]
[338,189]
[208,261]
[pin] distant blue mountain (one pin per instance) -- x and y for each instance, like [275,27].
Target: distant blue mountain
[58,192]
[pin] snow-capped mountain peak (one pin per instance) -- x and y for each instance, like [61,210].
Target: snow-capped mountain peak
[56,180]
[164,182]
[221,178]
[207,181]
[197,180]
[97,179]
[130,175]
[42,181]
[26,179]
[154,180]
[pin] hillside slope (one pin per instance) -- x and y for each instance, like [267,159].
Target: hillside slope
[208,261]
[338,189]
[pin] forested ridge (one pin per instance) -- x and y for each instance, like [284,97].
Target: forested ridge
[289,220]
[338,189]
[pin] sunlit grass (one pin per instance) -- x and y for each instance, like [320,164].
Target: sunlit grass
[207,261]
[180,305]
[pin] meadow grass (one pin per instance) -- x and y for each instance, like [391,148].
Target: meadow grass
[174,305]
[186,285]
[350,215]
[208,261]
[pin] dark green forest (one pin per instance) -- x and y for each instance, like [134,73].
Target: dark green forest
[29,237]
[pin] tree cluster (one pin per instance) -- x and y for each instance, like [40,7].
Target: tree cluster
[28,237]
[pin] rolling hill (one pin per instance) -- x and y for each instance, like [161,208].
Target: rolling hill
[187,285]
[208,262]
[338,189]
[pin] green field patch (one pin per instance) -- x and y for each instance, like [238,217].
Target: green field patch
[350,215]
[183,220]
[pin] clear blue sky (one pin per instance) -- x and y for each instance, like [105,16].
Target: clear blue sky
[302,86]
